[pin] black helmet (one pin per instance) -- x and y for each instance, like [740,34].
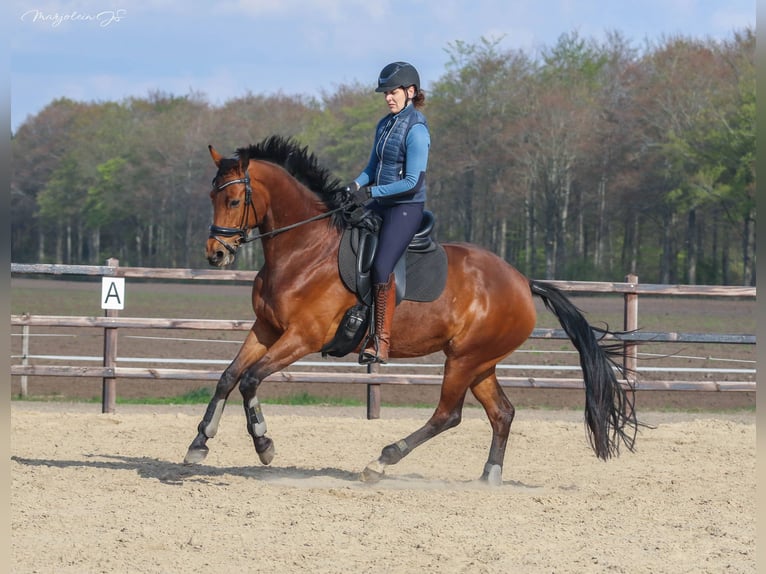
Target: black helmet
[396,75]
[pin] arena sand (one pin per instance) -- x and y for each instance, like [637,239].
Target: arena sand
[96,492]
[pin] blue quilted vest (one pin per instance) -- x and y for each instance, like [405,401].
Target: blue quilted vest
[390,147]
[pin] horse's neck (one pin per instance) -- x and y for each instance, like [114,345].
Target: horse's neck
[291,203]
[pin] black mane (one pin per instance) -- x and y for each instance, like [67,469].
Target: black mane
[302,165]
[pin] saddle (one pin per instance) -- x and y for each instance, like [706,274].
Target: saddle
[420,275]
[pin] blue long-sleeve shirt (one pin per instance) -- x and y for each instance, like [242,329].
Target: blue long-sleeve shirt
[418,143]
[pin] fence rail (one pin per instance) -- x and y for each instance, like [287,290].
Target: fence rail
[110,323]
[629,287]
[239,325]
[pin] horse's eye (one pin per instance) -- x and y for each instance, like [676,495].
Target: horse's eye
[234,203]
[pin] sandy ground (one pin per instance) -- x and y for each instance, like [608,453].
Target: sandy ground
[98,492]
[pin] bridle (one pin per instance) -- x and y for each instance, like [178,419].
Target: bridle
[243,231]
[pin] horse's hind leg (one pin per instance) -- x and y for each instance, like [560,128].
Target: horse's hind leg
[447,415]
[250,352]
[500,412]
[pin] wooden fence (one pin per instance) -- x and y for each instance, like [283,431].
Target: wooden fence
[109,372]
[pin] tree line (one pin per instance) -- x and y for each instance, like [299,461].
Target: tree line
[586,161]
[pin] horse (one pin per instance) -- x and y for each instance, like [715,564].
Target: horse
[277,192]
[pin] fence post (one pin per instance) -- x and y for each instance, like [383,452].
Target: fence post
[373,393]
[24,358]
[629,360]
[109,384]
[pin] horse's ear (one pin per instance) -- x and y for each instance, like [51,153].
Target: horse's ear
[215,155]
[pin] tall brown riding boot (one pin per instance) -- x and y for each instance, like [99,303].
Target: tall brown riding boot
[385,304]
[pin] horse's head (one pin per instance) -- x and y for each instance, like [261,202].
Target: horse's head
[275,186]
[234,212]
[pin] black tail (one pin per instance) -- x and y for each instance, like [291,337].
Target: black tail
[609,406]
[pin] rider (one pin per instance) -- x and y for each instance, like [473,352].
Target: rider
[395,179]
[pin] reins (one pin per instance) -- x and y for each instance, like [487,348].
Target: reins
[242,231]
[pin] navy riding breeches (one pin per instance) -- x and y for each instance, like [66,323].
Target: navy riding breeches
[399,224]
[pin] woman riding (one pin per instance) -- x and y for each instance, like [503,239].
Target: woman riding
[395,179]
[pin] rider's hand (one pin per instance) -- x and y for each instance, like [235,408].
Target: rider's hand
[355,195]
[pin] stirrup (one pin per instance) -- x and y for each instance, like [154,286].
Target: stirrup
[366,358]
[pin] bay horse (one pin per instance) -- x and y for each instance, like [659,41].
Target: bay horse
[484,313]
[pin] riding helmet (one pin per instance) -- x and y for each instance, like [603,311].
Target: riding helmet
[398,75]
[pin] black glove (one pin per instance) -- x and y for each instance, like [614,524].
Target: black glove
[355,195]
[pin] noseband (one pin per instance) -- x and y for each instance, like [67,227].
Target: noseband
[243,231]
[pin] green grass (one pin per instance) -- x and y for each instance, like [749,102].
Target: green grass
[306,399]
[203,395]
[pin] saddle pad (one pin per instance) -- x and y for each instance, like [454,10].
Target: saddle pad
[426,271]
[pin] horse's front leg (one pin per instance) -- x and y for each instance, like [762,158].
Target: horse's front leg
[252,350]
[286,350]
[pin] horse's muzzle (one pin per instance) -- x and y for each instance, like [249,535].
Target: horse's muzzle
[219,252]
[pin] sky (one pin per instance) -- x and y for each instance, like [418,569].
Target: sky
[97,51]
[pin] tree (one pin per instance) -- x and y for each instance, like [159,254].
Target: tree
[704,134]
[557,130]
[341,134]
[588,161]
[475,137]
[60,204]
[38,148]
[170,210]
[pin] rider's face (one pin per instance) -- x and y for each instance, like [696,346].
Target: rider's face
[397,98]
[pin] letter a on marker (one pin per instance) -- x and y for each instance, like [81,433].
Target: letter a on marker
[113,293]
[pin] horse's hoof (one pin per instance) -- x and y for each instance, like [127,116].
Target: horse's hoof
[268,454]
[493,475]
[373,472]
[196,455]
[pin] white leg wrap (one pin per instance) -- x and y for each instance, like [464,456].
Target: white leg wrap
[255,417]
[212,427]
[494,474]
